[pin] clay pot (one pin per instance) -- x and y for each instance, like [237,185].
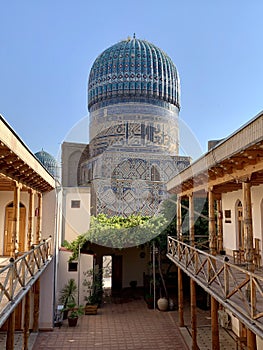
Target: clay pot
[72,322]
[162,304]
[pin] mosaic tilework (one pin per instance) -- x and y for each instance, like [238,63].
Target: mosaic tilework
[136,125]
[125,183]
[133,99]
[133,67]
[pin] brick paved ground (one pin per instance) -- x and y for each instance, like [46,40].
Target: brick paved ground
[123,326]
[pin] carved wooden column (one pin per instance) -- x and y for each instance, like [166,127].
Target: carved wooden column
[26,320]
[213,251]
[247,225]
[219,225]
[191,220]
[192,282]
[249,252]
[179,218]
[10,336]
[30,219]
[180,272]
[211,227]
[39,219]
[180,298]
[251,340]
[36,305]
[16,215]
[214,324]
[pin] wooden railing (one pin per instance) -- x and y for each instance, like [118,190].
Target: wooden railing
[20,274]
[236,288]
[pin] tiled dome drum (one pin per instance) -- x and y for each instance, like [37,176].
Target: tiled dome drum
[133,68]
[48,161]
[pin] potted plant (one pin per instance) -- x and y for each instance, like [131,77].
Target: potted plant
[74,311]
[92,284]
[68,295]
[149,298]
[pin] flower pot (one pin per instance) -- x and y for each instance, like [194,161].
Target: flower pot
[72,322]
[150,302]
[91,309]
[162,304]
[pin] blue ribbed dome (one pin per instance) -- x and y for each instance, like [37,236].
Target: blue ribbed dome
[48,161]
[133,68]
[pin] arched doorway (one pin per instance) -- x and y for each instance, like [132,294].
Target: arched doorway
[240,229]
[9,214]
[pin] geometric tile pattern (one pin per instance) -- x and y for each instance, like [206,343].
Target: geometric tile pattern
[132,326]
[133,97]
[131,68]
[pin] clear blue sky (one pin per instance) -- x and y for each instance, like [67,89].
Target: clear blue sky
[47,49]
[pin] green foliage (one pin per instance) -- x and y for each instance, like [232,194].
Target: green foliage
[93,287]
[74,310]
[68,293]
[118,232]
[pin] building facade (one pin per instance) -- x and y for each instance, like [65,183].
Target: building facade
[230,176]
[133,100]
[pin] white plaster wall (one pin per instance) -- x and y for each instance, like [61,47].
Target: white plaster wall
[229,201]
[76,220]
[46,298]
[257,198]
[133,267]
[48,215]
[86,263]
[259,343]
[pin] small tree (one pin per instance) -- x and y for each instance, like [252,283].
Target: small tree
[68,293]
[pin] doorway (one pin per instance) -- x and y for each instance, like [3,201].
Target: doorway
[116,274]
[9,214]
[107,274]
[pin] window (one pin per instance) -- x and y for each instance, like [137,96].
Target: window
[75,204]
[228,216]
[72,266]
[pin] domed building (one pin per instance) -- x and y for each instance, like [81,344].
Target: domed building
[134,103]
[49,162]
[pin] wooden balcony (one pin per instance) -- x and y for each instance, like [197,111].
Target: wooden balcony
[237,289]
[18,276]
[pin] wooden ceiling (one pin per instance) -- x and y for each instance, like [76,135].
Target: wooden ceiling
[227,175]
[12,168]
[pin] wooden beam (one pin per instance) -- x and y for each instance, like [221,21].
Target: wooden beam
[180,298]
[247,225]
[16,214]
[179,218]
[219,225]
[26,321]
[30,219]
[191,220]
[251,340]
[193,314]
[10,336]
[211,224]
[214,324]
[39,219]
[36,305]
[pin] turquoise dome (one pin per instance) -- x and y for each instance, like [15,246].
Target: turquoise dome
[48,161]
[133,69]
